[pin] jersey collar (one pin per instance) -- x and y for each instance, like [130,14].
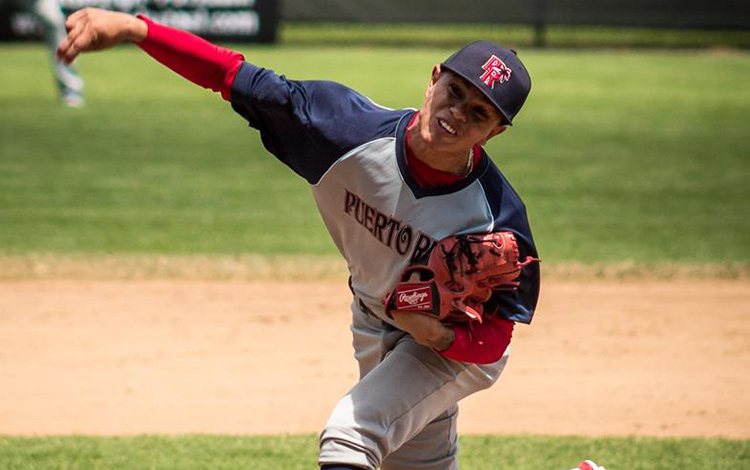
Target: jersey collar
[418,190]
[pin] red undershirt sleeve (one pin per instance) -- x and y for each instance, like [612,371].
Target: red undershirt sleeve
[480,343]
[196,59]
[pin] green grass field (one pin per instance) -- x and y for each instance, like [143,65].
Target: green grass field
[299,452]
[621,157]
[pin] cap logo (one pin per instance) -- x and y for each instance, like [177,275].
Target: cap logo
[495,70]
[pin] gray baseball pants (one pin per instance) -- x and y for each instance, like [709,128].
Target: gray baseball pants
[401,415]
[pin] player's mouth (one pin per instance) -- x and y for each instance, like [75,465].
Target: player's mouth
[448,128]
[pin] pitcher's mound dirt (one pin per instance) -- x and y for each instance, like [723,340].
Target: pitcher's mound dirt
[126,357]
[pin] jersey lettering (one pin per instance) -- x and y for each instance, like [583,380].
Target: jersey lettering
[422,249]
[387,230]
[403,242]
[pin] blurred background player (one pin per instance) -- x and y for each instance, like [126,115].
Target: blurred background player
[50,15]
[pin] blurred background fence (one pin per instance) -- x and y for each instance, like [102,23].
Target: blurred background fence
[727,14]
[718,22]
[538,14]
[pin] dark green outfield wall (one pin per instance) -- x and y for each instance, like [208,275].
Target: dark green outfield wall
[725,14]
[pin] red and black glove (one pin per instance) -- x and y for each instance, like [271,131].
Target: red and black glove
[460,275]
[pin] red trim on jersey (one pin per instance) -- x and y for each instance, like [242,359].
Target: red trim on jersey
[196,59]
[478,343]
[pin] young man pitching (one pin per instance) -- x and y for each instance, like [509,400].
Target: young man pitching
[438,244]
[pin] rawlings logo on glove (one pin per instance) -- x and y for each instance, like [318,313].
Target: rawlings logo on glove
[416,298]
[459,276]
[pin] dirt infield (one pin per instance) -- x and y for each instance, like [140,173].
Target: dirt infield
[251,357]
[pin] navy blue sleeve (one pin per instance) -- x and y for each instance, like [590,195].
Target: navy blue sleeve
[308,125]
[510,214]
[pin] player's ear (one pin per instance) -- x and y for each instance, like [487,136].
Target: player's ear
[435,72]
[433,79]
[497,130]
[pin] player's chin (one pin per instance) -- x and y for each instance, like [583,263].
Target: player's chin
[441,140]
[451,144]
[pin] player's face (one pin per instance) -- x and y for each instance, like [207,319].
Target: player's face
[455,115]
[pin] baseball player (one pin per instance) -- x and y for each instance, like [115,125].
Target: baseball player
[390,185]
[50,15]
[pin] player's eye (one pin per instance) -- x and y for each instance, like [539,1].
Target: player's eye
[455,90]
[481,113]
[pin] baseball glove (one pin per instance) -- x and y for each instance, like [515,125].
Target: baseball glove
[460,274]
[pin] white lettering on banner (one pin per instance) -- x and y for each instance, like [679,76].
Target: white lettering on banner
[125,5]
[194,21]
[226,3]
[142,5]
[24,23]
[106,4]
[215,19]
[225,22]
[245,22]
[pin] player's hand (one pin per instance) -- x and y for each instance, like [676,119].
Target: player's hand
[91,29]
[425,330]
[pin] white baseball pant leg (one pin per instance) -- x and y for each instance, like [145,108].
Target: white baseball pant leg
[402,413]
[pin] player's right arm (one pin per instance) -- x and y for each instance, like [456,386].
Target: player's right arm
[307,125]
[196,59]
[91,29]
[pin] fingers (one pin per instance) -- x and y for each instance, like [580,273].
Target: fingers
[70,47]
[76,17]
[64,51]
[425,329]
[84,42]
[91,29]
[74,45]
[74,29]
[82,34]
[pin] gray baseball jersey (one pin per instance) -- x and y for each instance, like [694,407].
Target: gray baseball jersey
[402,412]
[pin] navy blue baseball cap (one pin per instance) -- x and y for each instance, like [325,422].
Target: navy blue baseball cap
[497,72]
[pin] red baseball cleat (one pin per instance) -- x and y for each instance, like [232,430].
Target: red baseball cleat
[589,465]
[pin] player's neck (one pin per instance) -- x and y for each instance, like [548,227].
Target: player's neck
[455,162]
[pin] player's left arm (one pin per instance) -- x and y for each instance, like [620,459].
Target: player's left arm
[426,330]
[473,342]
